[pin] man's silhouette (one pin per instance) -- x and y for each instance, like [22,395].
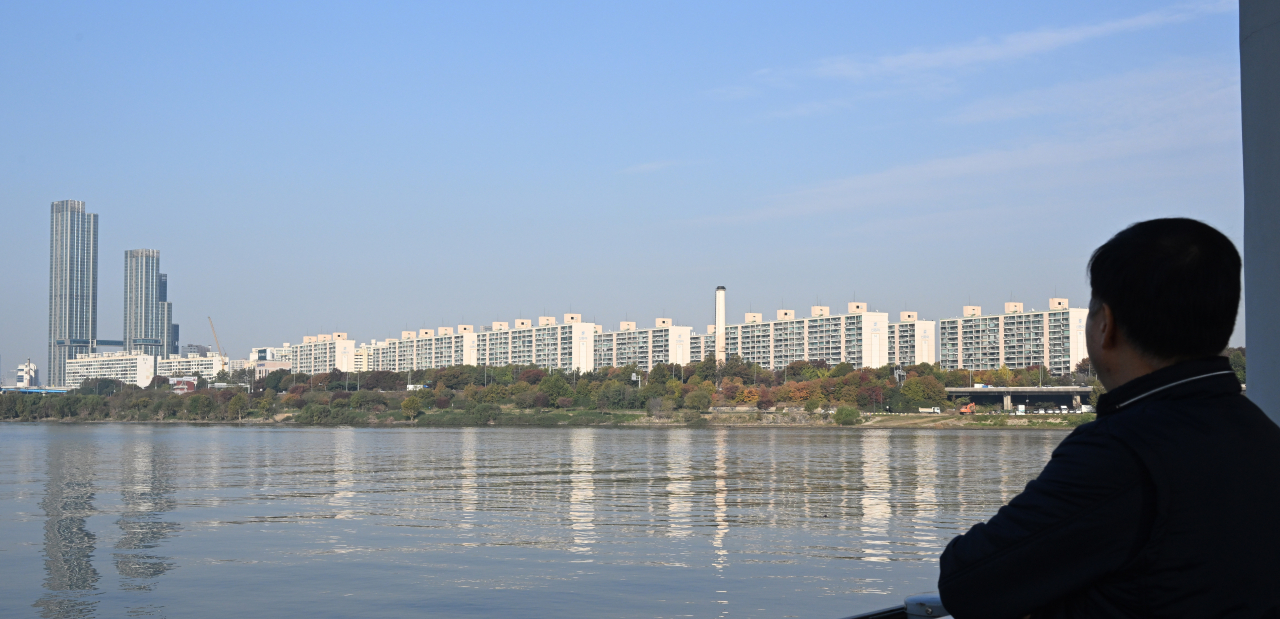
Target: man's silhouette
[1168,505]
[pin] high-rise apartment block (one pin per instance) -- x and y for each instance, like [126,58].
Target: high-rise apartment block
[859,337]
[322,353]
[643,348]
[911,341]
[1053,339]
[147,317]
[73,286]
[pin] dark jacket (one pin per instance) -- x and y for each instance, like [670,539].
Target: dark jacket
[1167,505]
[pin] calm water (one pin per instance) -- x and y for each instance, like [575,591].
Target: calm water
[134,520]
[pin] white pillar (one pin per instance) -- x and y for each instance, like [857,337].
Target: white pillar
[720,358]
[1260,113]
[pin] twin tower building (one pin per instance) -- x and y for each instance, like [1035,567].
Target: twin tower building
[73,294]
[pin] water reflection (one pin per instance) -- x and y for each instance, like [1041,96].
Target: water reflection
[483,521]
[721,510]
[146,489]
[876,489]
[68,543]
[468,495]
[582,490]
[679,484]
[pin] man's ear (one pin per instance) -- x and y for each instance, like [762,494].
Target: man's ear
[1109,334]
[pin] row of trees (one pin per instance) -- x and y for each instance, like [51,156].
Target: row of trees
[661,391]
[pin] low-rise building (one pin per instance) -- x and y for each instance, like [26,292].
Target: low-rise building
[262,368]
[206,365]
[27,376]
[137,367]
[1053,339]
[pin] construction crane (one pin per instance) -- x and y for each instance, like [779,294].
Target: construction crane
[215,338]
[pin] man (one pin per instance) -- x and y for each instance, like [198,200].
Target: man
[1168,505]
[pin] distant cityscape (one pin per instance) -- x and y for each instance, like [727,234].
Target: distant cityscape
[149,345]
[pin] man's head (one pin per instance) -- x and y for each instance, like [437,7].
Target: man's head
[1164,291]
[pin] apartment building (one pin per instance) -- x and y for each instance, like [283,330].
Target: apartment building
[569,346]
[130,367]
[207,365]
[1053,338]
[645,348]
[321,353]
[859,337]
[272,353]
[911,341]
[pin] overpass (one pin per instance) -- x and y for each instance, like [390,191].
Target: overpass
[1011,396]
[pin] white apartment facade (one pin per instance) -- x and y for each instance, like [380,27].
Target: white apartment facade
[1016,339]
[860,338]
[569,346]
[206,365]
[129,367]
[321,353]
[912,341]
[644,348]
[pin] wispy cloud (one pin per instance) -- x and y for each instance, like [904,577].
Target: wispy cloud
[1011,46]
[1123,132]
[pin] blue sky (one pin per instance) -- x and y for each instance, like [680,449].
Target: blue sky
[369,167]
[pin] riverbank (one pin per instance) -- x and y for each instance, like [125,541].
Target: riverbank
[639,419]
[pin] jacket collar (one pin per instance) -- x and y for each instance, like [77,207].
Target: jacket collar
[1208,376]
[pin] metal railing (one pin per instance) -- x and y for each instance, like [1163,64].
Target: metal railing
[923,605]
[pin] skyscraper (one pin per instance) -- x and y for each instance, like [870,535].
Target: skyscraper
[145,325]
[73,285]
[168,330]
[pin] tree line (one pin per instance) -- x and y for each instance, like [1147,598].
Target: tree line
[348,397]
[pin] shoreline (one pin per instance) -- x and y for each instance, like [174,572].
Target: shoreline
[708,421]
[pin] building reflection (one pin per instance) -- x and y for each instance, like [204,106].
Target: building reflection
[344,473]
[926,455]
[876,489]
[147,491]
[679,483]
[721,511]
[68,543]
[582,489]
[468,489]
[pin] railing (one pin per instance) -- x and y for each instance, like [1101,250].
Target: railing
[924,605]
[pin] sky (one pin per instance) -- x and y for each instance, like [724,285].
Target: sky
[315,167]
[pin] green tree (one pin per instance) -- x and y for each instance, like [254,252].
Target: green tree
[1236,355]
[555,387]
[924,390]
[237,404]
[698,400]
[411,406]
[848,416]
[199,405]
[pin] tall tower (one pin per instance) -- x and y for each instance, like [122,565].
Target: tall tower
[168,330]
[143,331]
[73,285]
[720,359]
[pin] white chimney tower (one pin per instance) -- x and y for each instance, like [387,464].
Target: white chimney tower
[720,358]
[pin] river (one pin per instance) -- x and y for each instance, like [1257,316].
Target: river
[168,520]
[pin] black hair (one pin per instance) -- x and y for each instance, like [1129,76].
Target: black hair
[1173,286]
